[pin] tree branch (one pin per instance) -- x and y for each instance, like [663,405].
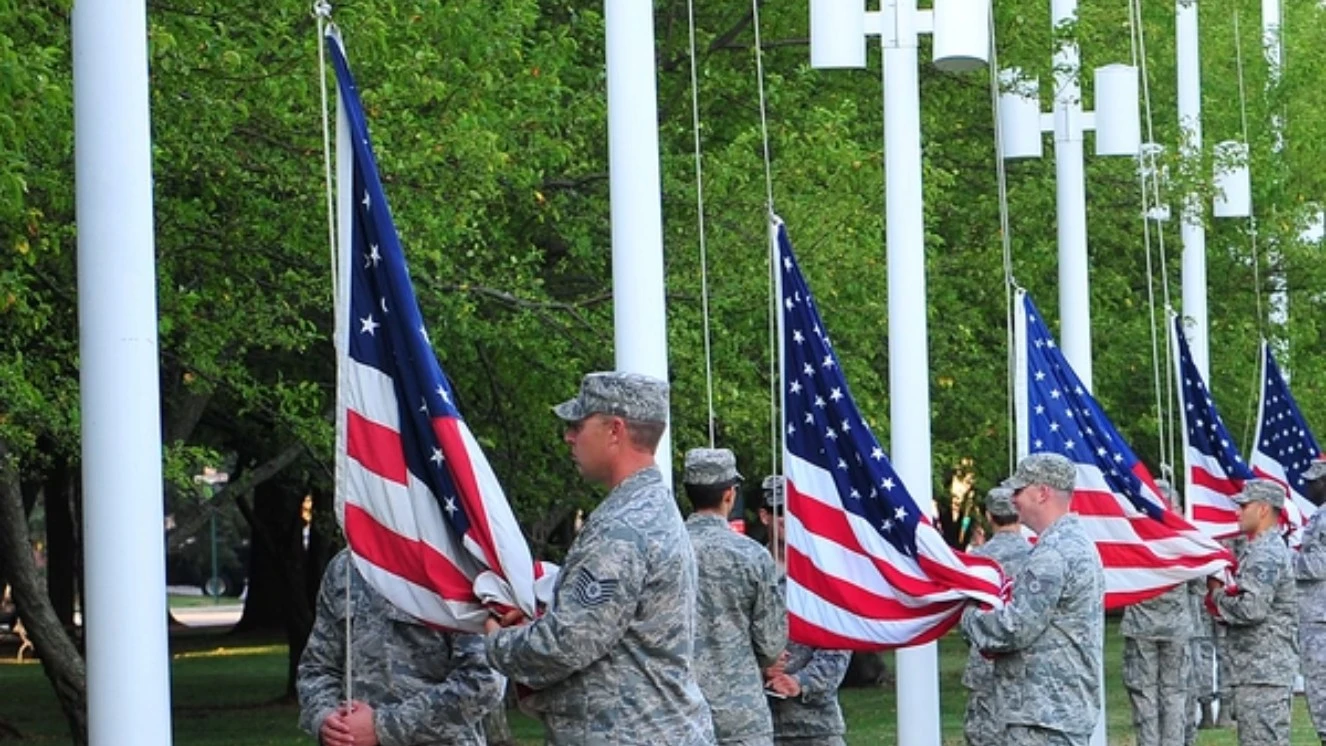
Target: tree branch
[247,481]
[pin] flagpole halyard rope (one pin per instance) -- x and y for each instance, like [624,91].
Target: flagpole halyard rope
[774,427]
[1252,235]
[699,211]
[1006,243]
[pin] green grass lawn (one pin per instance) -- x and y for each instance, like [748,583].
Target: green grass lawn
[226,691]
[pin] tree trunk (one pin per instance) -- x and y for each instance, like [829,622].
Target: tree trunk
[59,658]
[60,543]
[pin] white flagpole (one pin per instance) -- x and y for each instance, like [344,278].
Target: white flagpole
[1193,227]
[638,300]
[128,666]
[1020,374]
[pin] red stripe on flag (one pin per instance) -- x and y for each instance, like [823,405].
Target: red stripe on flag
[377,447]
[808,633]
[461,467]
[845,595]
[1223,485]
[1210,514]
[409,559]
[1127,555]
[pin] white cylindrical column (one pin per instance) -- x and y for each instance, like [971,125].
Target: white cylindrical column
[124,615]
[1231,180]
[1071,202]
[638,301]
[917,682]
[837,34]
[1192,230]
[1278,309]
[1118,125]
[962,35]
[1019,116]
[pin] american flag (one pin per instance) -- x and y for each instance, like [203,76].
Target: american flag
[1214,471]
[1284,445]
[1145,547]
[423,512]
[866,568]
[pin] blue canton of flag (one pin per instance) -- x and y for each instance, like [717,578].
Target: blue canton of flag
[1284,445]
[423,513]
[1214,471]
[866,569]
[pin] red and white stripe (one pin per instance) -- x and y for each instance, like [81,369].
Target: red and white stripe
[1210,492]
[850,589]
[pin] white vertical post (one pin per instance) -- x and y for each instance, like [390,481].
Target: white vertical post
[128,679]
[917,682]
[1192,228]
[638,301]
[1273,49]
[1070,181]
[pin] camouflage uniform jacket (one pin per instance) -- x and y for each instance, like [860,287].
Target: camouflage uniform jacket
[742,626]
[1010,550]
[815,711]
[610,661]
[1048,639]
[1310,570]
[426,686]
[1203,626]
[1261,609]
[1164,617]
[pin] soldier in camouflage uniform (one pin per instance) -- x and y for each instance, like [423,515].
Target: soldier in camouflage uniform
[803,684]
[610,661]
[413,685]
[1202,661]
[1310,569]
[983,724]
[1155,661]
[1224,674]
[1047,640]
[741,622]
[1260,609]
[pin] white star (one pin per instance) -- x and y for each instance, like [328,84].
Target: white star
[1101,451]
[368,325]
[1039,443]
[1054,427]
[424,333]
[788,302]
[442,392]
[384,306]
[887,483]
[372,258]
[836,394]
[887,525]
[845,427]
[900,513]
[791,429]
[810,418]
[437,457]
[808,370]
[842,464]
[1118,458]
[451,505]
[787,262]
[1049,343]
[1054,393]
[367,202]
[830,433]
[423,405]
[1068,445]
[1040,409]
[797,336]
[1040,343]
[819,402]
[877,453]
[828,361]
[795,388]
[854,494]
[817,331]
[1040,375]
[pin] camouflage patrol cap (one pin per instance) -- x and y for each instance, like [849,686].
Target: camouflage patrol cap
[1261,490]
[709,466]
[1315,471]
[999,502]
[774,496]
[1050,469]
[632,396]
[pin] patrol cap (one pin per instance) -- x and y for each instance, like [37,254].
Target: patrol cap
[710,466]
[774,496]
[632,396]
[999,502]
[1261,490]
[1050,469]
[1315,471]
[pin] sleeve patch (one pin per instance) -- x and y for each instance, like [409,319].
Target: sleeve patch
[592,592]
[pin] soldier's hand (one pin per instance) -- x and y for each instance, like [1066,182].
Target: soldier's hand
[334,731]
[785,685]
[360,724]
[1214,584]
